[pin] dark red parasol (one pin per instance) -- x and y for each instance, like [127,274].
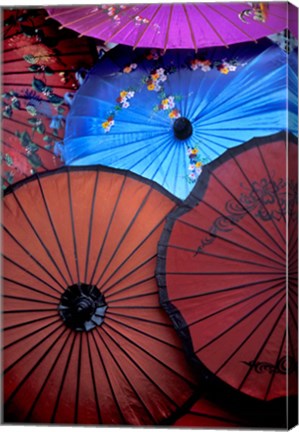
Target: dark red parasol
[85,339]
[39,66]
[228,275]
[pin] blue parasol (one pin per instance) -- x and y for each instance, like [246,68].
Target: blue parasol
[165,115]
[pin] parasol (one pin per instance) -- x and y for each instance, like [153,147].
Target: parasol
[178,25]
[39,67]
[222,268]
[85,340]
[165,116]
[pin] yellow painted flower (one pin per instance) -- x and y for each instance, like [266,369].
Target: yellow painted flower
[224,70]
[164,102]
[123,94]
[194,151]
[105,125]
[198,164]
[127,69]
[151,87]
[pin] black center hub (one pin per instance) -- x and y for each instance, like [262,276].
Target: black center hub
[182,128]
[82,307]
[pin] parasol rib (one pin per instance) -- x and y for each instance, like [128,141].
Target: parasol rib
[258,223]
[121,323]
[22,324]
[127,288]
[224,257]
[73,227]
[128,274]
[122,239]
[232,23]
[238,245]
[31,274]
[151,356]
[190,28]
[36,260]
[107,231]
[242,319]
[78,380]
[274,372]
[12,365]
[119,30]
[140,36]
[63,380]
[225,290]
[108,378]
[211,25]
[248,337]
[244,300]
[136,364]
[157,226]
[30,288]
[35,366]
[125,377]
[54,229]
[30,412]
[93,377]
[264,344]
[31,334]
[91,224]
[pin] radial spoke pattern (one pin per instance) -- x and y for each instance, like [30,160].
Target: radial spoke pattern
[177,26]
[227,246]
[85,339]
[125,111]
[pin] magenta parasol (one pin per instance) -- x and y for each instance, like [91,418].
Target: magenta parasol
[190,25]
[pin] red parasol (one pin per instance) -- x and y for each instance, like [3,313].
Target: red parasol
[85,339]
[39,67]
[222,268]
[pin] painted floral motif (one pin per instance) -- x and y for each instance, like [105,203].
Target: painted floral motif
[168,104]
[205,65]
[156,78]
[130,68]
[258,11]
[195,165]
[113,11]
[29,39]
[122,103]
[138,20]
[107,125]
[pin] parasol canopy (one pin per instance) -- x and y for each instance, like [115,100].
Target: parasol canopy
[165,116]
[222,268]
[164,26]
[85,340]
[39,66]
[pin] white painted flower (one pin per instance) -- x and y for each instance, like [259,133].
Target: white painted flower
[205,68]
[125,104]
[130,94]
[191,167]
[232,68]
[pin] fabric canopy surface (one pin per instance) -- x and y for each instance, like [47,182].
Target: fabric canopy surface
[179,25]
[222,268]
[39,65]
[85,340]
[165,116]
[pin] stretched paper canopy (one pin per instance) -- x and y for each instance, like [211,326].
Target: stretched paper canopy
[165,116]
[179,25]
[39,65]
[85,340]
[227,268]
